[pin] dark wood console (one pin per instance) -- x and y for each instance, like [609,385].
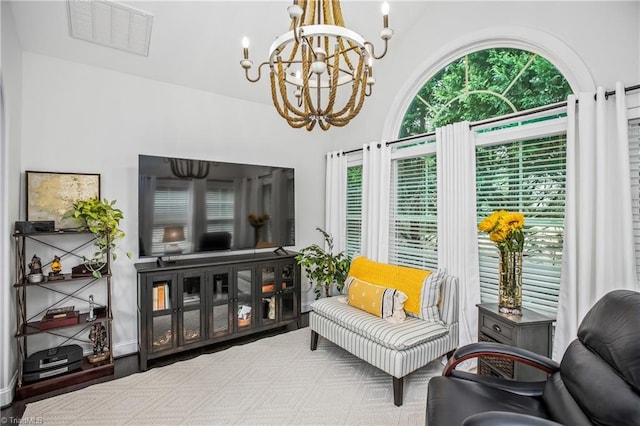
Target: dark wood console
[197,302]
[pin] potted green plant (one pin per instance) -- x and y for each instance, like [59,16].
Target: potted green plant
[102,219]
[323,267]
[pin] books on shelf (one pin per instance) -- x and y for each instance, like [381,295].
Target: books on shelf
[161,297]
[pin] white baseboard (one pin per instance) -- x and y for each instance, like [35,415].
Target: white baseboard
[126,348]
[6,394]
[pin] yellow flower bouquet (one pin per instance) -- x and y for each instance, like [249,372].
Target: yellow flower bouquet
[506,230]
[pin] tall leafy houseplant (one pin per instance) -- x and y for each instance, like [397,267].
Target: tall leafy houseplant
[323,267]
[102,219]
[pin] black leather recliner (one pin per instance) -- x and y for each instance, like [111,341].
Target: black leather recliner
[597,382]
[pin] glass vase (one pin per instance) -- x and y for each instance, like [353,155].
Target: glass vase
[510,288]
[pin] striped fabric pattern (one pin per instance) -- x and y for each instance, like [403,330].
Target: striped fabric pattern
[430,294]
[449,300]
[397,363]
[399,336]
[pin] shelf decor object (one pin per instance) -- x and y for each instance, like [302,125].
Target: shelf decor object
[50,195]
[315,57]
[505,230]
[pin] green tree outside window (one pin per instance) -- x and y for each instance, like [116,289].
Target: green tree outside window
[485,84]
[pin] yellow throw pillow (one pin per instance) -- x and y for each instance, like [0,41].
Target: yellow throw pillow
[383,302]
[422,287]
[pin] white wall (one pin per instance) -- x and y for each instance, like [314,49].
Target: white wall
[11,74]
[79,118]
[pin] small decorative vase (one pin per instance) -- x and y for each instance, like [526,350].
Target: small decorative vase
[256,234]
[510,290]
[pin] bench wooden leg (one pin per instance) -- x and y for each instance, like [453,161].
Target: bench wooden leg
[314,340]
[398,385]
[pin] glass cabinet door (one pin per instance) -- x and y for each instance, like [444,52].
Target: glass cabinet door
[162,313]
[289,300]
[244,298]
[219,324]
[268,300]
[192,299]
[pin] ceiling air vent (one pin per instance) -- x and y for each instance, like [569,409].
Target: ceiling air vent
[111,24]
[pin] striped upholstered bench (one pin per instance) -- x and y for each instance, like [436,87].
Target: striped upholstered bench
[396,348]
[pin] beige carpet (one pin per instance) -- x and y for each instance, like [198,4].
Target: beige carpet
[276,380]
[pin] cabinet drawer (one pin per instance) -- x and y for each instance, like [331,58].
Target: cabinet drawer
[499,330]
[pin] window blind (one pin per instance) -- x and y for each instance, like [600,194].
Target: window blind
[527,176]
[634,163]
[413,212]
[354,210]
[220,205]
[172,202]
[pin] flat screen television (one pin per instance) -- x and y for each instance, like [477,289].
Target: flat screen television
[191,206]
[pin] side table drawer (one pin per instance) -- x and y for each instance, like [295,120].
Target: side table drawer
[499,330]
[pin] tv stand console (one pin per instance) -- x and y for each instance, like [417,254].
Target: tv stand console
[197,302]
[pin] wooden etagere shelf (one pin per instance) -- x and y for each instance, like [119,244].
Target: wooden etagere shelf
[31,328]
[66,291]
[67,278]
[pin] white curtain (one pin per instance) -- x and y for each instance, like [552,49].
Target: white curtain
[279,206]
[598,254]
[336,200]
[376,170]
[146,201]
[457,222]
[248,196]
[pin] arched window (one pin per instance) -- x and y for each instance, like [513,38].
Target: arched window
[484,84]
[525,174]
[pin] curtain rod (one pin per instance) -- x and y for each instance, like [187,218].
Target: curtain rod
[472,125]
[496,119]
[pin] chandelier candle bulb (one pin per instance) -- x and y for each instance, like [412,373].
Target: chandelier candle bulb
[385,14]
[245,62]
[245,47]
[370,79]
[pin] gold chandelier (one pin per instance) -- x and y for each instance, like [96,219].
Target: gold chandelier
[313,59]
